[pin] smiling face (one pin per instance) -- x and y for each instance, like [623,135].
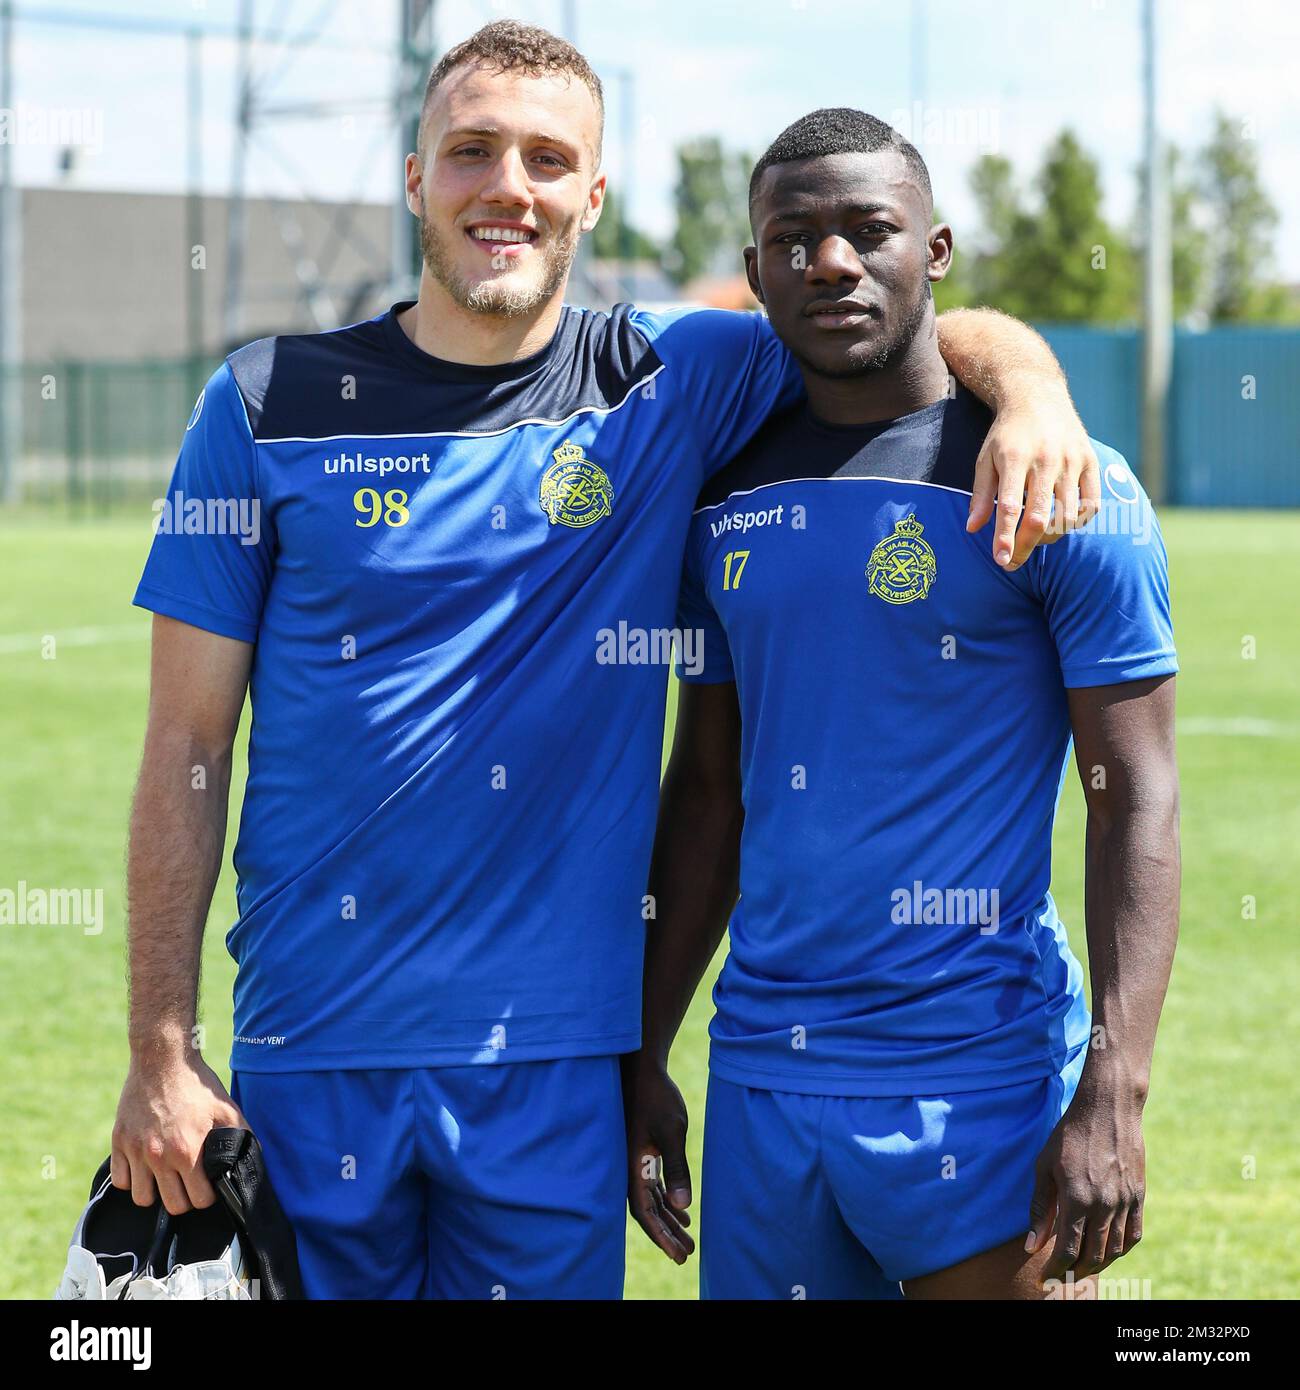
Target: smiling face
[506,184]
[844,257]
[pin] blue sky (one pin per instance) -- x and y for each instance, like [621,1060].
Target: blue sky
[1000,75]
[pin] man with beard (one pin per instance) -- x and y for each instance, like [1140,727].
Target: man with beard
[901,1084]
[450,801]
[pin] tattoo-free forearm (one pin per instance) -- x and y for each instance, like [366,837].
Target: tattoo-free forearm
[694,877]
[1131,908]
[996,356]
[178,832]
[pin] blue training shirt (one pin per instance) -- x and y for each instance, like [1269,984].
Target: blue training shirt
[452,784]
[904,734]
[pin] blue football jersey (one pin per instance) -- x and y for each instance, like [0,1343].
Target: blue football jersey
[904,734]
[452,782]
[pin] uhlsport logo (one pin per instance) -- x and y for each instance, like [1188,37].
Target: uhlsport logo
[902,567]
[575,491]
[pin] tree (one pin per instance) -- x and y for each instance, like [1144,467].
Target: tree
[712,199]
[1058,260]
[994,186]
[1189,244]
[1075,267]
[1242,220]
[614,241]
[956,289]
[1003,226]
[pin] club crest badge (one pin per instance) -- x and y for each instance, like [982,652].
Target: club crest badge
[902,567]
[574,490]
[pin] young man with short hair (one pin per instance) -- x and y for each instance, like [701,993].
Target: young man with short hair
[901,1081]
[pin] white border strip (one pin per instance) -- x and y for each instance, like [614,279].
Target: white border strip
[13,644]
[870,478]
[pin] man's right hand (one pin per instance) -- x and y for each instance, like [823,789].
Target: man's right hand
[659,1180]
[165,1113]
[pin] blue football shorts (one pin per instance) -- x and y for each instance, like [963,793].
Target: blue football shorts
[496,1181]
[845,1196]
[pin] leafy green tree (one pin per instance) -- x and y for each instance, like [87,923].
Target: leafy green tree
[1188,242]
[614,240]
[956,289]
[711,196]
[993,183]
[1055,257]
[1242,221]
[1057,260]
[1001,227]
[1190,245]
[1075,267]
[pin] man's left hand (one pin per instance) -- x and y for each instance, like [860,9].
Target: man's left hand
[1036,453]
[1090,1183]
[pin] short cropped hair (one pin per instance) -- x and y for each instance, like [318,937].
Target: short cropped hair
[838,130]
[505,45]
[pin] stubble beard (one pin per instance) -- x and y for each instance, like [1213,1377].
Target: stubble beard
[887,353]
[501,298]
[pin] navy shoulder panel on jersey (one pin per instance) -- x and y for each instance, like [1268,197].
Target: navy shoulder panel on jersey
[938,445]
[370,379]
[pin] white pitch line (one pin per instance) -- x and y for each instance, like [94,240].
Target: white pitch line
[1237,728]
[24,643]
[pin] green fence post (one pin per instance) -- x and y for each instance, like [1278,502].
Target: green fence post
[74,435]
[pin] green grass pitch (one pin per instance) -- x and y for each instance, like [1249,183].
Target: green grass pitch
[1223,1131]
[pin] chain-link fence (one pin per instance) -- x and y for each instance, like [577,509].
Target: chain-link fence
[100,435]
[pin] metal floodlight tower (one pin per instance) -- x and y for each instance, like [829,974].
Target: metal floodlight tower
[1157,276]
[11,423]
[326,302]
[414,59]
